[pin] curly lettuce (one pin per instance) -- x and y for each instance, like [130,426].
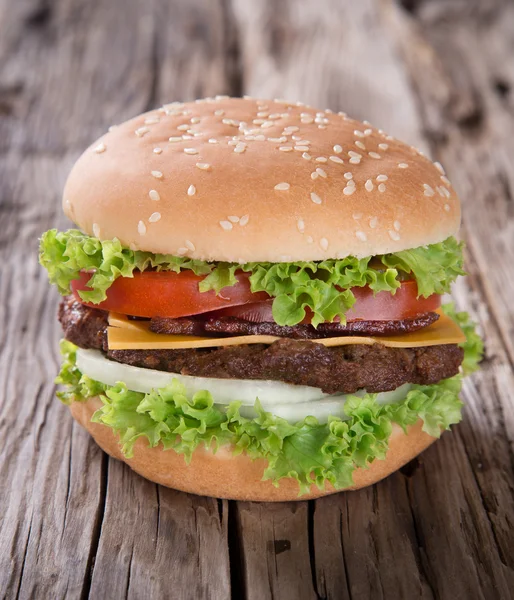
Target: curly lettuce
[308,451]
[323,288]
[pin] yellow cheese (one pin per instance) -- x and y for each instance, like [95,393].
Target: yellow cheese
[124,334]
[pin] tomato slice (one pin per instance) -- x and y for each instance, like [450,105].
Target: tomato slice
[167,294]
[385,306]
[382,306]
[173,295]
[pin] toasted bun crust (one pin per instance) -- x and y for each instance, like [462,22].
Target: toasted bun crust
[258,180]
[223,475]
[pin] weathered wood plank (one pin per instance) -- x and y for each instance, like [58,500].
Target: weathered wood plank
[275,550]
[158,543]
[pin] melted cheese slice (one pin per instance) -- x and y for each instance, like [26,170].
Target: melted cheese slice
[126,334]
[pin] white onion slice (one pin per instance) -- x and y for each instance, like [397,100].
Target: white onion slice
[96,366]
[291,402]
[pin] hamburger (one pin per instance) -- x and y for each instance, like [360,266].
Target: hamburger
[252,299]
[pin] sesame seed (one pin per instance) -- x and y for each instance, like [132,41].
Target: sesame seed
[263,113]
[183,127]
[338,149]
[285,148]
[291,128]
[212,141]
[403,165]
[301,225]
[358,133]
[348,175]
[447,207]
[323,243]
[175,138]
[240,148]
[360,145]
[190,150]
[203,166]
[396,225]
[315,198]
[219,112]
[309,239]
[156,174]
[226,225]
[157,150]
[357,216]
[353,154]
[336,159]
[100,148]
[140,131]
[187,137]
[445,191]
[373,222]
[308,120]
[141,228]
[306,155]
[195,120]
[266,124]
[440,168]
[369,185]
[278,140]
[154,195]
[154,217]
[181,251]
[428,190]
[348,190]
[258,121]
[354,160]
[96,230]
[394,235]
[233,219]
[374,155]
[244,220]
[314,175]
[382,178]
[282,187]
[191,190]
[368,131]
[383,146]
[381,187]
[152,120]
[361,236]
[321,173]
[321,159]
[301,148]
[190,245]
[445,180]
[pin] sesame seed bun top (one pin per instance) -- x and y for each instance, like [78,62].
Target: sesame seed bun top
[242,180]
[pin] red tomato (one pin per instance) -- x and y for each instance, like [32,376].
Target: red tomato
[368,307]
[167,294]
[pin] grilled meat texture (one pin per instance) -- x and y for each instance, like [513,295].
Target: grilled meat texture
[343,369]
[201,325]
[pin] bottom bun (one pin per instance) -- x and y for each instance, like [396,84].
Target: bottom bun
[223,475]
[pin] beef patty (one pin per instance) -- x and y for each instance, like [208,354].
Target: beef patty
[343,369]
[202,325]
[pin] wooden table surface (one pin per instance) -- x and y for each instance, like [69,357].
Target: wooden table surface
[75,524]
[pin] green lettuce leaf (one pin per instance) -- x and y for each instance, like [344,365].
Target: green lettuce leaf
[322,287]
[308,451]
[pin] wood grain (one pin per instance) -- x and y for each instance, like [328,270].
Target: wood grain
[74,524]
